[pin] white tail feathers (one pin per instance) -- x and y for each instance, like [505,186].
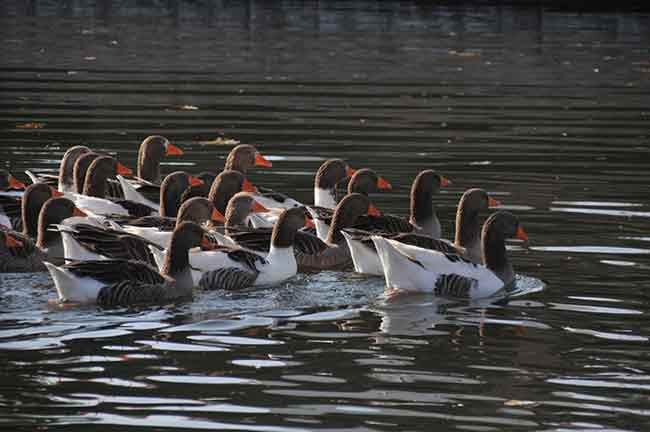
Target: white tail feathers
[71,288]
[366,260]
[131,194]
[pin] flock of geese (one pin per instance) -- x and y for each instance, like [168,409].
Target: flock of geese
[110,237]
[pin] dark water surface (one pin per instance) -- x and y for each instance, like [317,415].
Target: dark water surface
[547,110]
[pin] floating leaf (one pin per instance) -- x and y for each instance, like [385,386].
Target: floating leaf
[31,125]
[464,53]
[515,402]
[220,140]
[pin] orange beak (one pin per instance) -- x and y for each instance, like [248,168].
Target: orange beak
[521,234]
[217,216]
[309,223]
[259,208]
[123,170]
[372,210]
[444,181]
[78,212]
[383,184]
[206,243]
[195,181]
[172,150]
[56,193]
[493,203]
[248,186]
[14,183]
[12,242]
[261,161]
[349,172]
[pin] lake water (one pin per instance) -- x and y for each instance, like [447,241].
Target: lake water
[548,110]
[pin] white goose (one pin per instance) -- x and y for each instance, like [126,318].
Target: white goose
[467,241]
[364,181]
[121,282]
[92,201]
[236,268]
[411,268]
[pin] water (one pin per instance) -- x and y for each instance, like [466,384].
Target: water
[546,109]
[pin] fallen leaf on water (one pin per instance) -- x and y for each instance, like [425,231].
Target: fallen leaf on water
[464,53]
[515,402]
[220,140]
[31,125]
[188,107]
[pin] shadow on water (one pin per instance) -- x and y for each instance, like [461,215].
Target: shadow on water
[543,106]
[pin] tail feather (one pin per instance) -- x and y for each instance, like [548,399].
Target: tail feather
[71,288]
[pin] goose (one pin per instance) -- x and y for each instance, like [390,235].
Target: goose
[364,181]
[113,283]
[85,242]
[93,201]
[329,174]
[466,243]
[170,191]
[10,203]
[224,186]
[244,157]
[20,253]
[236,268]
[65,180]
[29,207]
[411,268]
[146,185]
[237,233]
[152,150]
[202,189]
[311,253]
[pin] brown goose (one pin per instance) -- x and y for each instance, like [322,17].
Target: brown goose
[238,234]
[311,253]
[65,180]
[113,283]
[198,210]
[200,190]
[11,191]
[225,186]
[24,254]
[93,199]
[364,181]
[236,268]
[330,173]
[146,186]
[466,243]
[422,219]
[410,268]
[24,212]
[244,157]
[152,150]
[85,242]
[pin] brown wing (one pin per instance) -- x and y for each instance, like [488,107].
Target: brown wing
[135,208]
[229,279]
[384,223]
[114,271]
[129,293]
[412,239]
[113,244]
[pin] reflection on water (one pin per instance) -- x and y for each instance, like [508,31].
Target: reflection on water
[545,108]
